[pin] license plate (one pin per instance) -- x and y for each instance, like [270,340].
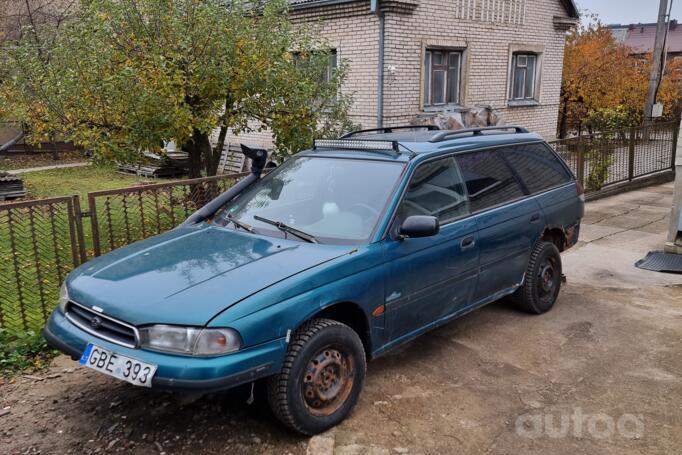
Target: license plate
[119,366]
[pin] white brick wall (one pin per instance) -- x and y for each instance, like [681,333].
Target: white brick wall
[487,29]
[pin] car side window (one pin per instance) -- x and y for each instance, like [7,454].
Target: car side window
[537,166]
[436,189]
[488,179]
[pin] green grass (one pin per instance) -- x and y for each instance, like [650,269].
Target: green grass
[29,352]
[35,242]
[35,253]
[77,180]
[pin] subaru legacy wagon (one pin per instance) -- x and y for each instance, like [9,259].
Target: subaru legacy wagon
[341,253]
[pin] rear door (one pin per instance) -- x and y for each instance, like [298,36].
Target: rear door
[433,276]
[509,223]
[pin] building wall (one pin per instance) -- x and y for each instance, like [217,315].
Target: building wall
[488,30]
[487,35]
[353,32]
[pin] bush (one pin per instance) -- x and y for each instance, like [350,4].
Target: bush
[609,120]
[599,170]
[28,352]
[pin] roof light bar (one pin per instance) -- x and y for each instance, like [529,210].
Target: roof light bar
[354,144]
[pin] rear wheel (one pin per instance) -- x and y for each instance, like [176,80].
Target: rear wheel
[323,373]
[541,287]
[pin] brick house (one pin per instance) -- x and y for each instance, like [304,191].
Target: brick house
[443,58]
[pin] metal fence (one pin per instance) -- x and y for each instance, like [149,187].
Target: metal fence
[38,247]
[120,217]
[603,159]
[42,241]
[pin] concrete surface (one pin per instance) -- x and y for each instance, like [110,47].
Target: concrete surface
[49,168]
[600,373]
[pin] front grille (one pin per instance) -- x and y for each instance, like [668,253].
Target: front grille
[102,326]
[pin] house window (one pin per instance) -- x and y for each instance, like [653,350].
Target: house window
[331,66]
[328,71]
[442,74]
[523,75]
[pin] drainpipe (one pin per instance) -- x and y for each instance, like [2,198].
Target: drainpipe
[375,8]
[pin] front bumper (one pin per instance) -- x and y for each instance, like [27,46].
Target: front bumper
[175,372]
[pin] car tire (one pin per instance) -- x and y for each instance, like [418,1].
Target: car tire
[321,378]
[542,283]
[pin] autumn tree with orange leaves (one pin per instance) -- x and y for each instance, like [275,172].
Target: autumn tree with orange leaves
[601,75]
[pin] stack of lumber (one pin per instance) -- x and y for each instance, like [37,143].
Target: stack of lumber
[11,186]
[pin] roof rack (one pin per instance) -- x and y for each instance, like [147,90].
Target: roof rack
[475,132]
[365,145]
[390,129]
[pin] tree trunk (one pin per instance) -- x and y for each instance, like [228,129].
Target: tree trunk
[563,123]
[199,149]
[218,150]
[55,154]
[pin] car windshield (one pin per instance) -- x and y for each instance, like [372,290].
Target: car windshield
[333,200]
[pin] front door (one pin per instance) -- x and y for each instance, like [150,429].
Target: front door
[431,277]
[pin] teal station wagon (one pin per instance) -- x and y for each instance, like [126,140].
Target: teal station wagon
[331,259]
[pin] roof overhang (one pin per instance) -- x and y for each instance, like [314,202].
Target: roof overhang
[570,6]
[571,9]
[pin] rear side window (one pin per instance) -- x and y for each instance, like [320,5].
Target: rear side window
[488,179]
[436,189]
[538,167]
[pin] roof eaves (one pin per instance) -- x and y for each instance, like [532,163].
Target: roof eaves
[571,9]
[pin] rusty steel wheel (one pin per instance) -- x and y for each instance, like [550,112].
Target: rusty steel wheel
[328,380]
[321,378]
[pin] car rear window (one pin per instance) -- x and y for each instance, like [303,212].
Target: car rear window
[488,179]
[537,166]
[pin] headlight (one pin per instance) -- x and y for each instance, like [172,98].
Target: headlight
[190,340]
[63,297]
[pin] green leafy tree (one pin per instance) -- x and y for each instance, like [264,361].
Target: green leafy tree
[122,76]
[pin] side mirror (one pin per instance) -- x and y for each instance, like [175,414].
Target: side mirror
[419,226]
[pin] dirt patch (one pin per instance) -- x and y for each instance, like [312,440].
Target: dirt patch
[472,386]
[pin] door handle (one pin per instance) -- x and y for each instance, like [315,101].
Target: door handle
[467,242]
[535,217]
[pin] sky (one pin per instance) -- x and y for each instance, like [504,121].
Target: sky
[628,11]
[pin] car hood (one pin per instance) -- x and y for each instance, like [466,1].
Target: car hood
[188,275]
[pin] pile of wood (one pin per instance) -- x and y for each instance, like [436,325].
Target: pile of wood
[169,164]
[11,186]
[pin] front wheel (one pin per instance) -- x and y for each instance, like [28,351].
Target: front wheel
[323,373]
[541,287]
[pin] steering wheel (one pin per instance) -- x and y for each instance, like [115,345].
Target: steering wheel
[366,208]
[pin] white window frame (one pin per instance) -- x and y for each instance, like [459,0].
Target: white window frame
[524,50]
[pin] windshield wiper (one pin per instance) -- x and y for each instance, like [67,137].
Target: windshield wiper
[238,223]
[288,229]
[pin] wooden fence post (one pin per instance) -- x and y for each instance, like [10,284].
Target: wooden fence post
[631,153]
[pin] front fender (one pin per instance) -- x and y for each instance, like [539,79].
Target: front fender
[266,316]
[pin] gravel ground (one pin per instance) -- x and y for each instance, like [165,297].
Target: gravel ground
[600,373]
